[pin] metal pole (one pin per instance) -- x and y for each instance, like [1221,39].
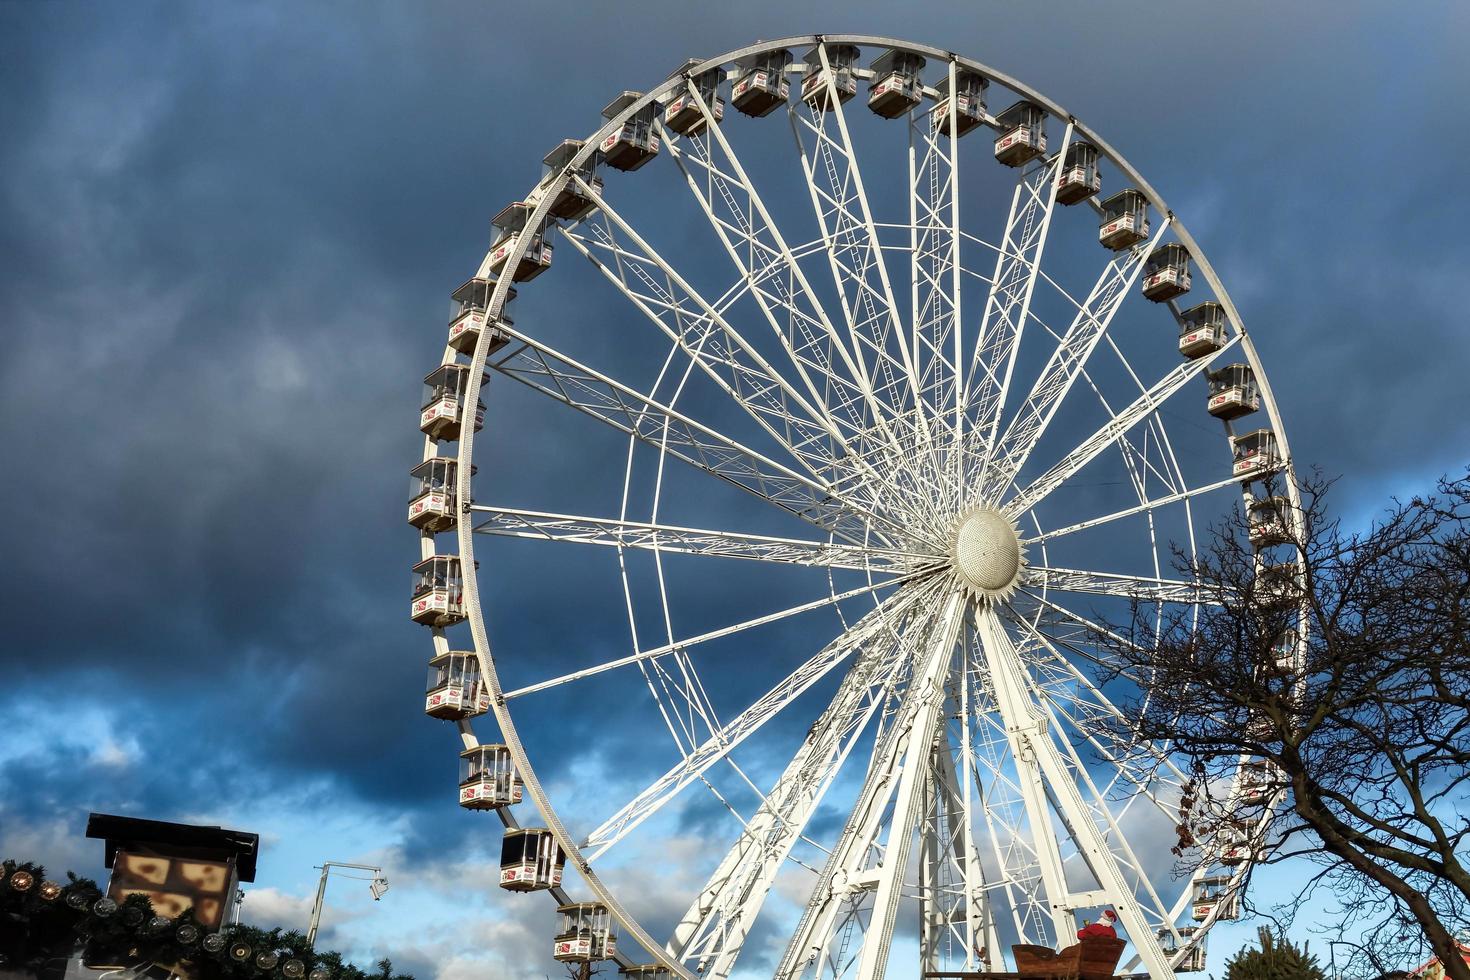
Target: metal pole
[316,909]
[321,894]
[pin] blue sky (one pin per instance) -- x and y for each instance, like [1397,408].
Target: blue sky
[228,233]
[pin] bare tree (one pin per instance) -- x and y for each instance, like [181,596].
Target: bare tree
[1343,676]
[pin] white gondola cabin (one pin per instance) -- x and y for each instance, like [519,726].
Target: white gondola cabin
[1255,454]
[1281,661]
[1260,727]
[968,102]
[759,83]
[634,143]
[444,397]
[1268,520]
[1193,960]
[1080,177]
[438,591]
[468,304]
[1202,330]
[530,860]
[510,228]
[1258,782]
[1236,844]
[1124,220]
[814,88]
[572,203]
[487,778]
[1022,134]
[1166,273]
[683,114]
[1277,586]
[1233,392]
[647,971]
[431,494]
[585,934]
[1215,893]
[896,86]
[454,689]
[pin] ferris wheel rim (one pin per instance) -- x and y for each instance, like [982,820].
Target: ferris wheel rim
[464,532]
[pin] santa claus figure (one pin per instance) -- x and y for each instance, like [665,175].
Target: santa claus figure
[1102,928]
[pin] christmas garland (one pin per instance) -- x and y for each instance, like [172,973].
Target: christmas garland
[44,922]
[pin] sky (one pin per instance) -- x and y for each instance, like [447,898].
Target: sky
[228,232]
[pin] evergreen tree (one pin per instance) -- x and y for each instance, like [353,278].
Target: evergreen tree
[1277,959]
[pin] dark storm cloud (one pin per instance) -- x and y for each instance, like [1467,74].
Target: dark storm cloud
[228,232]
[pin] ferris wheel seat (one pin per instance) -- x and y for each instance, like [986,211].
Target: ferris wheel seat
[1022,134]
[528,878]
[967,102]
[586,934]
[441,420]
[572,203]
[895,94]
[1124,220]
[627,150]
[1197,342]
[488,795]
[1077,184]
[683,115]
[1123,232]
[433,511]
[1194,957]
[438,607]
[1166,273]
[836,75]
[817,93]
[464,333]
[1267,522]
[1020,145]
[759,85]
[453,702]
[1234,403]
[535,261]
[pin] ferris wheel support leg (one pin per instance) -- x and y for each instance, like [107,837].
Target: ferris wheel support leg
[729,903]
[898,775]
[1026,725]
[931,902]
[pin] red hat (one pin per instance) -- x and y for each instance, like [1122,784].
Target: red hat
[1110,915]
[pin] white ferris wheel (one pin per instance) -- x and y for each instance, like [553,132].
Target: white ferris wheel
[934,405]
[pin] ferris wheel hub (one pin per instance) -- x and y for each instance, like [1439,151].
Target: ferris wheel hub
[987,553]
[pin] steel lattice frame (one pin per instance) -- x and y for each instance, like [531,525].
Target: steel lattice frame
[991,777]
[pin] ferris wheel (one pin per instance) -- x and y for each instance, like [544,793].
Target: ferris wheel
[895,418]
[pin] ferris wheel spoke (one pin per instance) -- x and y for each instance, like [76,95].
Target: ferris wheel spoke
[692,641]
[1150,505]
[772,274]
[767,263]
[1142,588]
[1105,726]
[546,370]
[859,272]
[936,314]
[1074,348]
[1118,426]
[714,928]
[720,744]
[863,876]
[703,332]
[1017,264]
[670,539]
